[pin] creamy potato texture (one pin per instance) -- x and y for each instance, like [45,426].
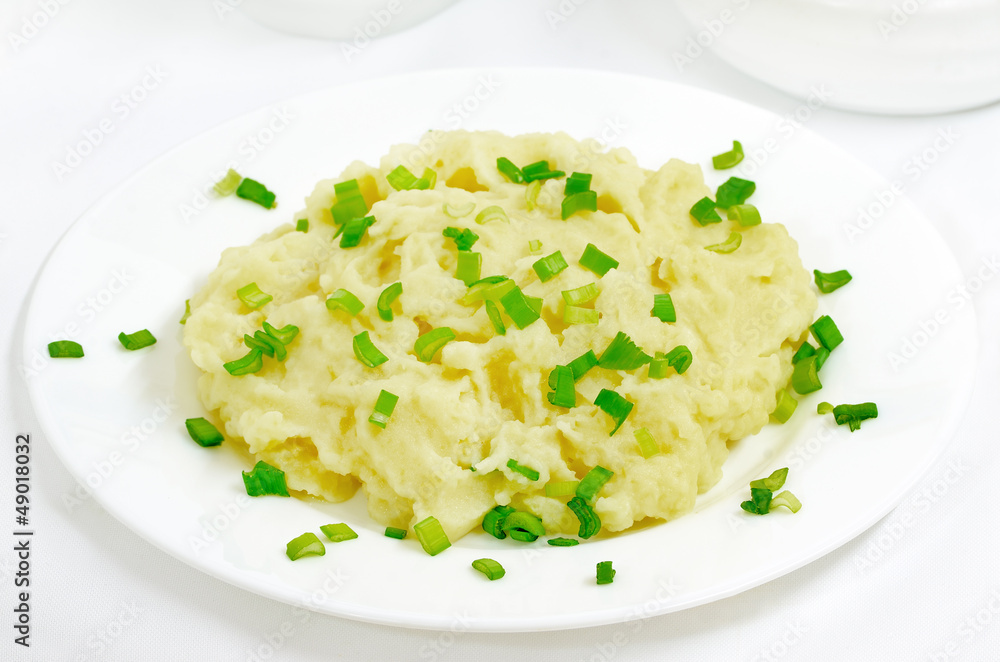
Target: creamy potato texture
[482,400]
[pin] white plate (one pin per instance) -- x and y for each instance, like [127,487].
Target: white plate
[116,417]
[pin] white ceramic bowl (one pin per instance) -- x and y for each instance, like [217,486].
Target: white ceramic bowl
[882,56]
[356,21]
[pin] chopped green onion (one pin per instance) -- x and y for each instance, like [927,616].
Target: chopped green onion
[350,202]
[344,300]
[252,362]
[523,526]
[759,503]
[493,312]
[576,315]
[772,482]
[427,180]
[428,344]
[804,350]
[745,215]
[852,415]
[493,521]
[534,246]
[187,311]
[393,532]
[469,267]
[490,568]
[788,500]
[384,305]
[401,178]
[265,479]
[137,340]
[251,295]
[274,348]
[338,532]
[527,472]
[531,195]
[548,267]
[582,364]
[284,335]
[663,308]
[828,282]
[458,211]
[679,358]
[623,354]
[254,191]
[826,332]
[535,303]
[615,406]
[659,367]
[203,432]
[510,171]
[464,239]
[384,405]
[354,231]
[605,573]
[492,213]
[563,389]
[728,159]
[578,182]
[822,354]
[704,212]
[729,245]
[228,184]
[302,225]
[517,307]
[785,407]
[595,260]
[804,376]
[581,295]
[540,170]
[734,191]
[431,535]
[647,444]
[824,408]
[593,482]
[305,545]
[367,352]
[563,542]
[561,488]
[583,201]
[590,523]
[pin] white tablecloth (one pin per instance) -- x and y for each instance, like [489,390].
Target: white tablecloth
[99,592]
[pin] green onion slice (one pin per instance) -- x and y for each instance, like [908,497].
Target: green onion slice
[663,308]
[341,299]
[493,312]
[492,213]
[826,332]
[561,488]
[605,573]
[759,503]
[393,532]
[401,178]
[578,182]
[583,201]
[593,482]
[745,215]
[305,545]
[384,305]
[828,282]
[647,444]
[549,266]
[772,482]
[852,415]
[531,195]
[510,171]
[785,407]
[824,408]
[265,479]
[659,367]
[350,202]
[203,432]
[464,239]
[623,354]
[786,499]
[384,406]
[563,542]
[581,295]
[138,340]
[338,532]
[679,358]
[187,311]
[252,362]
[804,350]
[804,376]
[534,246]
[597,261]
[458,211]
[563,387]
[302,225]
[469,267]
[527,472]
[431,535]
[493,521]
[518,308]
[521,523]
[822,354]
[284,335]
[251,295]
[254,191]
[615,406]
[354,231]
[274,348]
[729,245]
[590,523]
[703,212]
[540,170]
[728,159]
[228,184]
[428,344]
[367,352]
[490,568]
[577,315]
[582,364]
[734,191]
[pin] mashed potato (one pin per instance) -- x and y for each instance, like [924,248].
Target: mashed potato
[482,400]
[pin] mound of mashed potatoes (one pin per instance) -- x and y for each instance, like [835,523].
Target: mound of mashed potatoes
[481,401]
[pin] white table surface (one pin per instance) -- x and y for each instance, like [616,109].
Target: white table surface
[99,592]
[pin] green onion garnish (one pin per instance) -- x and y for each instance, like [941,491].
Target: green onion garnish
[762,498]
[252,296]
[590,523]
[492,213]
[734,191]
[595,260]
[401,178]
[583,201]
[788,500]
[384,405]
[344,300]
[578,182]
[265,479]
[576,315]
[393,532]
[464,239]
[493,521]
[605,573]
[804,377]
[593,482]
[615,406]
[187,311]
[623,354]
[531,195]
[772,482]
[469,267]
[824,408]
[647,444]
[350,203]
[517,307]
[527,472]
[704,212]
[828,282]
[826,332]
[785,407]
[535,303]
[266,348]
[804,350]
[548,267]
[510,171]
[852,415]
[759,503]
[534,246]
[663,308]
[493,312]
[523,526]
[561,488]
[338,532]
[137,340]
[278,350]
[254,191]
[458,211]
[581,295]
[490,568]
[428,344]
[354,231]
[679,358]
[302,225]
[540,170]
[745,215]
[729,245]
[228,184]
[252,362]
[582,364]
[431,535]
[822,354]
[203,432]
[367,352]
[563,387]
[563,542]
[659,367]
[728,159]
[305,545]
[284,335]
[384,305]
